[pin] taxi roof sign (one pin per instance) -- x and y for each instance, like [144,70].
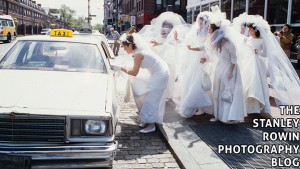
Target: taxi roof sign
[61,33]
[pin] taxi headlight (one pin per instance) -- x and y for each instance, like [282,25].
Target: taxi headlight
[95,127]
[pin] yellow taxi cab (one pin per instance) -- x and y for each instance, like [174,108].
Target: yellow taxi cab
[7,28]
[58,106]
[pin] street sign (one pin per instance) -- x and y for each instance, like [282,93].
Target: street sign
[92,15]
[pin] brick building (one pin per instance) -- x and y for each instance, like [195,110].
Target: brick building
[139,12]
[31,17]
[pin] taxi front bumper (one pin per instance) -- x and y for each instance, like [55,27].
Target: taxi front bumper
[62,155]
[3,37]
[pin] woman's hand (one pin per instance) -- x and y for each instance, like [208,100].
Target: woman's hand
[176,35]
[189,47]
[154,43]
[202,60]
[115,68]
[256,51]
[229,75]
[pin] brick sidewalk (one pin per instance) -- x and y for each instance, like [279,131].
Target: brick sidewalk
[139,150]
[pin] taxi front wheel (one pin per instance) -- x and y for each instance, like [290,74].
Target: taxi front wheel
[8,38]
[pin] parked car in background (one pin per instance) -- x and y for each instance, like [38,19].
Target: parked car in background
[58,106]
[7,28]
[45,31]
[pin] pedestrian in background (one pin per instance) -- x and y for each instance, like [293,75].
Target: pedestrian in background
[273,30]
[115,36]
[286,39]
[131,30]
[298,47]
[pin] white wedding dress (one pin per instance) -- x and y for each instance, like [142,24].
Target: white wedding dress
[194,97]
[149,92]
[223,110]
[257,94]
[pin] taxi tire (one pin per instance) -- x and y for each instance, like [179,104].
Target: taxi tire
[8,38]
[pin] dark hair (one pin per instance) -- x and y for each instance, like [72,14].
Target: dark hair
[131,30]
[257,33]
[273,29]
[219,44]
[168,24]
[214,27]
[287,25]
[202,19]
[129,40]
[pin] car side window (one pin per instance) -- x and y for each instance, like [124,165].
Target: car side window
[4,23]
[11,24]
[106,52]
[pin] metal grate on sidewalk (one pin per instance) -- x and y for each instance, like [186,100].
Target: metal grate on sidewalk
[242,134]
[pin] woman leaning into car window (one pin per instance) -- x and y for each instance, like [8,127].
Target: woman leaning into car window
[149,93]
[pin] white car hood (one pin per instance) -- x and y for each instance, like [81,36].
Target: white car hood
[53,92]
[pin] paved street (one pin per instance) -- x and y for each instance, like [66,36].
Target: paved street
[139,150]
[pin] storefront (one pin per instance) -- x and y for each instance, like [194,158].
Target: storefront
[276,12]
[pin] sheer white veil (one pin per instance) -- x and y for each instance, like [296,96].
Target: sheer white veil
[242,20]
[221,33]
[138,40]
[195,33]
[154,30]
[284,79]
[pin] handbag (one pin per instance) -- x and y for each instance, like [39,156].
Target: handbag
[206,82]
[227,95]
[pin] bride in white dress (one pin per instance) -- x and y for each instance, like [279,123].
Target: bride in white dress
[165,34]
[149,93]
[228,99]
[270,63]
[258,91]
[194,97]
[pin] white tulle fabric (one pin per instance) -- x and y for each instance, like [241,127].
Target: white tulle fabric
[193,96]
[169,48]
[253,67]
[241,22]
[285,83]
[222,58]
[149,90]
[257,89]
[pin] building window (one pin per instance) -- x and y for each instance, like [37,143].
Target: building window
[205,7]
[4,6]
[177,5]
[239,7]
[1,5]
[226,7]
[277,11]
[158,4]
[140,5]
[189,16]
[214,3]
[295,11]
[256,7]
[196,12]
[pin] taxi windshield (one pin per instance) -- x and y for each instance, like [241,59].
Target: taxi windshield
[56,56]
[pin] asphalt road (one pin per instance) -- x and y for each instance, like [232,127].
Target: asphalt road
[4,47]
